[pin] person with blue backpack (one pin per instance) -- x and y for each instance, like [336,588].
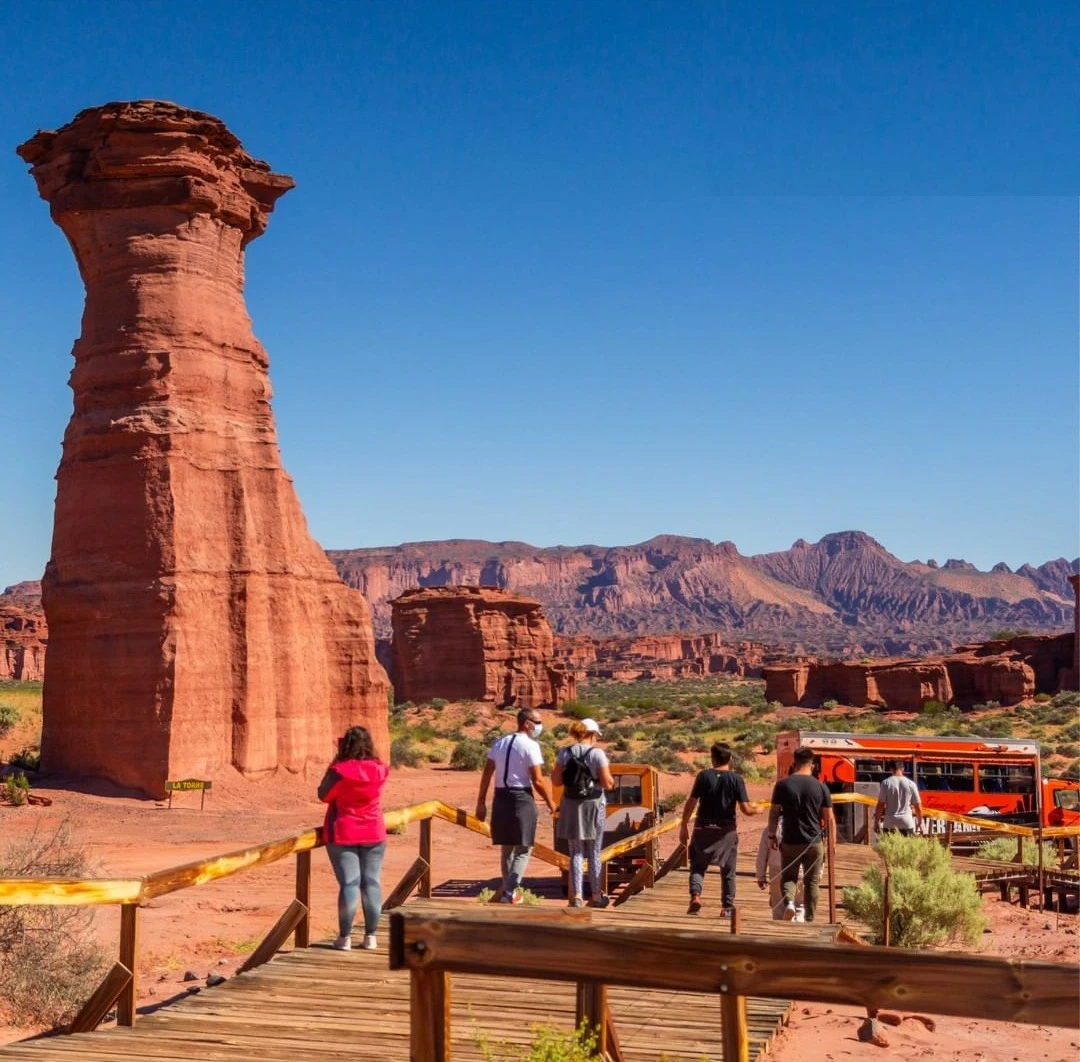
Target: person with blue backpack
[582,770]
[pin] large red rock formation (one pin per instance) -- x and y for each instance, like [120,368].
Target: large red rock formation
[475,643]
[1006,670]
[23,634]
[194,623]
[661,656]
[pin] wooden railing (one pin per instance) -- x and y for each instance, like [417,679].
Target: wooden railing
[432,948]
[119,985]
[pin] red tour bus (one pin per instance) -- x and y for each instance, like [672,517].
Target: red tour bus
[966,775]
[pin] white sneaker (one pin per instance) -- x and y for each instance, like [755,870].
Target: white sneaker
[789,912]
[370,942]
[343,943]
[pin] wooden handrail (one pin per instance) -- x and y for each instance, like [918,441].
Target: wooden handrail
[1038,993]
[636,840]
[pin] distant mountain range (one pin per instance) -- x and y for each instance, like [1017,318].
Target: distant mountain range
[844,594]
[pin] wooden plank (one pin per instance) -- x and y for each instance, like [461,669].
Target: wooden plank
[101,1002]
[999,989]
[425,855]
[279,933]
[409,880]
[460,817]
[303,893]
[129,952]
[429,1015]
[68,891]
[734,1029]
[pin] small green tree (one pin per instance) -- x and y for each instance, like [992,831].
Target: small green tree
[1003,849]
[929,902]
[468,755]
[548,1045]
[9,716]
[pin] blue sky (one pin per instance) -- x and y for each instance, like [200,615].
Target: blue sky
[589,272]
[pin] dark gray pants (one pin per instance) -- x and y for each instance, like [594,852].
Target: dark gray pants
[714,846]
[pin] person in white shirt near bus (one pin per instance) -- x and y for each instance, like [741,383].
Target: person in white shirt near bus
[516,763]
[898,808]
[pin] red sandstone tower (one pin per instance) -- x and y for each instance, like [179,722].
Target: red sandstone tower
[193,622]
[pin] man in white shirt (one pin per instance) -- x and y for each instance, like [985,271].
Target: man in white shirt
[516,762]
[898,807]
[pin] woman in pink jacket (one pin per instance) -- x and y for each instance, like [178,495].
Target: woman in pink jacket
[354,832]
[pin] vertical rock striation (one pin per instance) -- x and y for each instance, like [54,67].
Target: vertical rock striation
[193,621]
[475,643]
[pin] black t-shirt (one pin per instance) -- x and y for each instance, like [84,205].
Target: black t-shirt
[717,793]
[802,798]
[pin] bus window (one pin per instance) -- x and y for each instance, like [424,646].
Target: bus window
[944,776]
[1069,799]
[877,770]
[1006,778]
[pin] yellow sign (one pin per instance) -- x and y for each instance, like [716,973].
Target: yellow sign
[187,783]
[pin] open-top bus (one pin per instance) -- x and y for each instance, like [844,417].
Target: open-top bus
[967,775]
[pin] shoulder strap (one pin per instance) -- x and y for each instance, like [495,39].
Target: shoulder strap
[506,766]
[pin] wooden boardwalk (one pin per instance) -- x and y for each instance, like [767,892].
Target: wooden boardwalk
[349,1006]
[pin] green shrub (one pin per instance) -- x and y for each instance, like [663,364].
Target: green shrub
[9,716]
[830,705]
[439,702]
[933,707]
[1066,699]
[468,755]
[1069,750]
[1042,698]
[930,903]
[1003,849]
[1072,771]
[28,760]
[995,726]
[1009,632]
[672,801]
[1070,733]
[16,788]
[663,759]
[547,1045]
[577,710]
[405,753]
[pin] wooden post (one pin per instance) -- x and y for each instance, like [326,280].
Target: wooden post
[429,1015]
[886,909]
[425,855]
[592,1012]
[129,949]
[100,1003]
[735,923]
[1042,869]
[1019,850]
[734,1028]
[302,937]
[830,851]
[948,836]
[280,931]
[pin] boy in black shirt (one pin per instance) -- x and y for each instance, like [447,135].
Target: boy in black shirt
[806,806]
[715,795]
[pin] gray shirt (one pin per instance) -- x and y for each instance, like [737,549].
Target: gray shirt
[898,793]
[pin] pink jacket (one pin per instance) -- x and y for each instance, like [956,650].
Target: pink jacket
[355,812]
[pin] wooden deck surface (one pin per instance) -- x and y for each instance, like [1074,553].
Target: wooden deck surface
[349,1006]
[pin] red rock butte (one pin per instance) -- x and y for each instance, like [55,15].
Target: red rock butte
[193,622]
[475,643]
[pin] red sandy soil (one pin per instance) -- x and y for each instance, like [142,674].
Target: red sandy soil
[212,928]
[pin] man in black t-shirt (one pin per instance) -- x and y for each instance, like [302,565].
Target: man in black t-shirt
[806,806]
[715,796]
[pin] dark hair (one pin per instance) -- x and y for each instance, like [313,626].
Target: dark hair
[355,744]
[803,757]
[526,716]
[895,765]
[721,754]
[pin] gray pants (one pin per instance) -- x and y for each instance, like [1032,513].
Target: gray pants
[358,869]
[808,859]
[515,858]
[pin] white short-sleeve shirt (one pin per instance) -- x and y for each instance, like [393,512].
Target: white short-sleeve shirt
[524,753]
[898,794]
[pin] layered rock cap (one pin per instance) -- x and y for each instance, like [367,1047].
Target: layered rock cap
[475,643]
[194,624]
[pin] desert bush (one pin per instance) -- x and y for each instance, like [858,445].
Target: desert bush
[16,788]
[49,961]
[1072,771]
[1069,750]
[672,802]
[439,702]
[1066,699]
[930,903]
[1042,698]
[933,707]
[528,897]
[830,705]
[663,759]
[404,752]
[9,716]
[1009,632]
[28,760]
[577,710]
[1070,733]
[547,1045]
[621,745]
[996,726]
[640,704]
[1003,849]
[468,755]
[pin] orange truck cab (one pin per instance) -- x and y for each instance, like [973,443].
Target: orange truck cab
[1061,802]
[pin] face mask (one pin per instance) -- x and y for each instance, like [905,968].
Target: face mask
[537,729]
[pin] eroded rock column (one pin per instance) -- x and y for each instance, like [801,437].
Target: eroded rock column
[193,622]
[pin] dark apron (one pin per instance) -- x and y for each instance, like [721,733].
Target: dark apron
[513,811]
[715,845]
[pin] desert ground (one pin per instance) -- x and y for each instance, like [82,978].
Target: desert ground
[212,928]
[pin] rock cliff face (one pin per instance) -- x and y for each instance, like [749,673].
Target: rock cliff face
[844,595]
[475,643]
[660,656]
[194,624]
[23,634]
[1007,671]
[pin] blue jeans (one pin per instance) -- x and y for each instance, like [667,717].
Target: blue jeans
[358,869]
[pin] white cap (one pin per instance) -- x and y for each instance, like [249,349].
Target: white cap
[591,726]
